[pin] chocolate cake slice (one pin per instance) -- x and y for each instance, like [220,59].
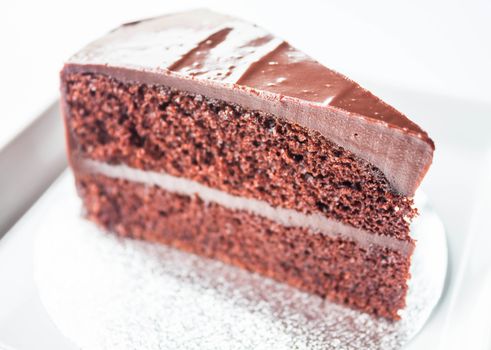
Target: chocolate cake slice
[209,134]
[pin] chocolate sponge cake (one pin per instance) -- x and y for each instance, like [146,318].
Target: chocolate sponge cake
[209,134]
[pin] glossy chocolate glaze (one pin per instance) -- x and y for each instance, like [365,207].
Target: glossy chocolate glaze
[226,58]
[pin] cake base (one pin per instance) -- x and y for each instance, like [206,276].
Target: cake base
[103,291]
[369,277]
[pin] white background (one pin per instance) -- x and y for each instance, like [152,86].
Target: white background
[431,59]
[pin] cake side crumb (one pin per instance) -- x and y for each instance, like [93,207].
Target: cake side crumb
[372,280]
[245,153]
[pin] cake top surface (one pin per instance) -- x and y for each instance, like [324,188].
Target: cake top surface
[206,45]
[239,62]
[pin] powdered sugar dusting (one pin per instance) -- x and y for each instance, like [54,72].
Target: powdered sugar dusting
[104,292]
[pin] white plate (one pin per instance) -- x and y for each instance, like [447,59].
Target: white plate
[105,292]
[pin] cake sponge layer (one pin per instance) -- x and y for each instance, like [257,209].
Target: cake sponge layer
[370,279]
[221,145]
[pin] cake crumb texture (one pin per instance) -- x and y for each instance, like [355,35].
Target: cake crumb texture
[221,145]
[371,280]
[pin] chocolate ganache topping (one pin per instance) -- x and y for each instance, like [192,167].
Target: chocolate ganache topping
[229,59]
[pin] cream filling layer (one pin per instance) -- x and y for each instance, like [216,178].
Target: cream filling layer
[316,223]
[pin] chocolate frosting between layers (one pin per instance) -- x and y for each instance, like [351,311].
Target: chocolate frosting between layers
[225,58]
